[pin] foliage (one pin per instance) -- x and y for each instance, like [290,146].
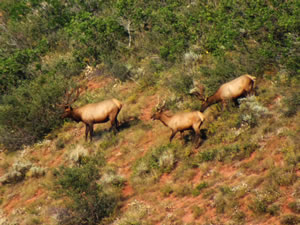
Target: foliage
[295,206]
[94,38]
[30,112]
[199,188]
[226,153]
[87,202]
[15,70]
[181,83]
[251,111]
[293,104]
[154,163]
[290,220]
[239,37]
[17,173]
[223,71]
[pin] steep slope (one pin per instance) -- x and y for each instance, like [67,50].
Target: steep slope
[239,175]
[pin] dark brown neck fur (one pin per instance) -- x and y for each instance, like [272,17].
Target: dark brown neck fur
[75,116]
[164,118]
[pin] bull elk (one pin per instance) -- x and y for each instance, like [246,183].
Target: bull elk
[90,114]
[181,122]
[232,90]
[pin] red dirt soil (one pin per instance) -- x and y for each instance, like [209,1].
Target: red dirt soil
[147,111]
[36,196]
[8,208]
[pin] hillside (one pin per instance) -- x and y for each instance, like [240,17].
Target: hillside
[246,170]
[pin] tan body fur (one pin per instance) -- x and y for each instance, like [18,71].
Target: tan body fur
[234,89]
[181,122]
[90,114]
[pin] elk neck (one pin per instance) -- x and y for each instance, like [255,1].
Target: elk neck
[75,115]
[164,118]
[212,99]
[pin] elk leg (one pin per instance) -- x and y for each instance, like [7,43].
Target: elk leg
[172,135]
[114,126]
[181,136]
[117,124]
[113,121]
[236,102]
[91,131]
[199,141]
[196,128]
[224,105]
[87,128]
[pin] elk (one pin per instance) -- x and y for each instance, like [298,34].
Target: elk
[90,114]
[232,90]
[181,122]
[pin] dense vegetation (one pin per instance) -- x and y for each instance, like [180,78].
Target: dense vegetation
[56,38]
[46,46]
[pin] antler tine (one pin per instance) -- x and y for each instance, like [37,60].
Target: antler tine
[157,105]
[64,101]
[75,98]
[163,105]
[198,91]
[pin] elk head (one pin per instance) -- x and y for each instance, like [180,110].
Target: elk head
[198,91]
[159,108]
[68,102]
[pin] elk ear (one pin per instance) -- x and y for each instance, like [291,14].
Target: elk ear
[68,107]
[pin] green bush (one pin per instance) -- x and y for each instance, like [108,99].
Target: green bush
[295,206]
[290,220]
[199,188]
[181,83]
[223,71]
[86,202]
[95,39]
[13,69]
[293,104]
[156,162]
[251,111]
[227,153]
[31,111]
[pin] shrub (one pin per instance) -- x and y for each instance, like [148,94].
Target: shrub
[31,111]
[95,38]
[36,171]
[251,111]
[282,176]
[78,154]
[17,173]
[119,70]
[290,220]
[295,206]
[263,199]
[60,143]
[111,178]
[183,190]
[223,71]
[13,69]
[154,163]
[259,206]
[199,188]
[181,83]
[197,211]
[167,190]
[87,203]
[135,213]
[293,104]
[207,155]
